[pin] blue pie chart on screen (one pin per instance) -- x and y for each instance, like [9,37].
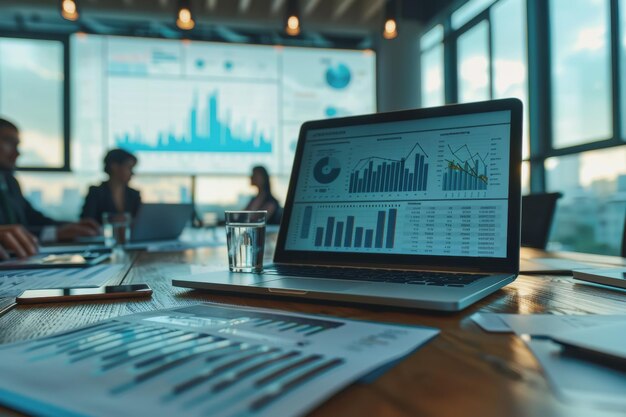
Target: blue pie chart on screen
[326,170]
[338,76]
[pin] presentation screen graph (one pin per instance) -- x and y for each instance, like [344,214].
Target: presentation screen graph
[209,121]
[423,187]
[207,132]
[192,107]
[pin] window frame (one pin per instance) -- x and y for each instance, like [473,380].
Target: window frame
[66,116]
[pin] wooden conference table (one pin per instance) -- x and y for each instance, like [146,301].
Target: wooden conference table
[464,371]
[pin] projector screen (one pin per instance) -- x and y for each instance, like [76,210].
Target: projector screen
[194,107]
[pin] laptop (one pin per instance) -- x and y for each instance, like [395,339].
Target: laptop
[160,222]
[417,208]
[156,222]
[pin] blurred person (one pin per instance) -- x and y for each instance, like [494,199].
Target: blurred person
[113,195]
[17,241]
[15,209]
[264,199]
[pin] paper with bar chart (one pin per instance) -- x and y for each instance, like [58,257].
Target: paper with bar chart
[437,187]
[203,360]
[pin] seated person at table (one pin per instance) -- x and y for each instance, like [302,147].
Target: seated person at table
[264,200]
[17,241]
[114,195]
[15,209]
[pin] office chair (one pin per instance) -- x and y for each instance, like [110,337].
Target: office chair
[537,214]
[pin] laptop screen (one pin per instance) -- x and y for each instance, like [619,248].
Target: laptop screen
[433,186]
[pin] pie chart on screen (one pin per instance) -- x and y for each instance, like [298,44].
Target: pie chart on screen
[338,76]
[326,170]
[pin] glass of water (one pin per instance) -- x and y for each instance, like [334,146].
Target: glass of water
[245,237]
[116,229]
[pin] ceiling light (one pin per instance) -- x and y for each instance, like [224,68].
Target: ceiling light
[390,28]
[292,18]
[184,19]
[69,10]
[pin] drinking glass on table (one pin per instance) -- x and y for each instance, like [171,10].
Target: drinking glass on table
[116,229]
[245,238]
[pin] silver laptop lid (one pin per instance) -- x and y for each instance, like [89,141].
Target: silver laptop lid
[435,187]
[160,221]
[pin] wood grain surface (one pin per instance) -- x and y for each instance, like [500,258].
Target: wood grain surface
[463,372]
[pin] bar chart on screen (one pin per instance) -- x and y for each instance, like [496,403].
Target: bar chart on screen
[452,228]
[465,172]
[375,174]
[349,226]
[469,165]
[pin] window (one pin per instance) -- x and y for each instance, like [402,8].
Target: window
[433,92]
[508,18]
[163,189]
[525,178]
[433,87]
[216,194]
[28,66]
[468,11]
[57,195]
[473,61]
[431,38]
[61,195]
[581,71]
[590,216]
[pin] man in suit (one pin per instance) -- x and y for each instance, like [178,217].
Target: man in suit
[15,209]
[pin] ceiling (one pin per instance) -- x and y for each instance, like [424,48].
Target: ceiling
[230,20]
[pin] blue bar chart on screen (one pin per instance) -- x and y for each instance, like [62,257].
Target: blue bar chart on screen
[207,133]
[466,171]
[375,174]
[352,231]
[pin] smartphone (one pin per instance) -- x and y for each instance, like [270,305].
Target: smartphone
[62,295]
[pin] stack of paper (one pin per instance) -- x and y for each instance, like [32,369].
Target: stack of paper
[572,377]
[206,360]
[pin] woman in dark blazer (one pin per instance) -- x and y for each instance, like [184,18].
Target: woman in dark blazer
[264,200]
[114,195]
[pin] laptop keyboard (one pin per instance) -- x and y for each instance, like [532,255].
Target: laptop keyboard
[441,279]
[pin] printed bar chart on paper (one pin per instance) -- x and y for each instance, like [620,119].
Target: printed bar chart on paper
[203,360]
[376,175]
